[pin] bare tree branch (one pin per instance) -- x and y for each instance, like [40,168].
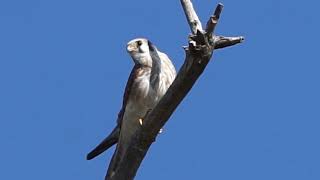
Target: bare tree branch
[213,20]
[198,54]
[191,15]
[222,42]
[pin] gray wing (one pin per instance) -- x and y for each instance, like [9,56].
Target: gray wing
[122,141]
[113,137]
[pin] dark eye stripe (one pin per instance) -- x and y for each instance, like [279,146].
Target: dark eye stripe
[151,47]
[139,43]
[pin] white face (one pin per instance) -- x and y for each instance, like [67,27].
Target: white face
[139,51]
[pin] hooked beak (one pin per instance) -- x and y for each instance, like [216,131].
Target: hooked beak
[130,47]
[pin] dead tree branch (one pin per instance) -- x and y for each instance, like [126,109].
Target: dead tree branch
[198,54]
[191,15]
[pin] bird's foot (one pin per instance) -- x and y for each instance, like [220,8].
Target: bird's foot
[161,130]
[140,121]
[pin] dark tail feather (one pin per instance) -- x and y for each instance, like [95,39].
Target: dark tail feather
[105,144]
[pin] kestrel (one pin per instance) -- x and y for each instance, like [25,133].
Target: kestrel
[151,76]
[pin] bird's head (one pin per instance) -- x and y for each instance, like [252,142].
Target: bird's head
[139,49]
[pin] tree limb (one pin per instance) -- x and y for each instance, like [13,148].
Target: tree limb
[198,54]
[213,20]
[222,42]
[191,15]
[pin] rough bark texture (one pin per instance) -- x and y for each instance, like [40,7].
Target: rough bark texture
[198,54]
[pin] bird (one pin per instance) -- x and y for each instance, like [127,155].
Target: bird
[151,76]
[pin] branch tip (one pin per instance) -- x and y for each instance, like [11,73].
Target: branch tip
[222,42]
[218,10]
[213,20]
[191,16]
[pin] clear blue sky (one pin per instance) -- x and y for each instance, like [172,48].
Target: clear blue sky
[253,115]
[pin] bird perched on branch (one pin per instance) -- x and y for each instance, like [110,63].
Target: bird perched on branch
[151,76]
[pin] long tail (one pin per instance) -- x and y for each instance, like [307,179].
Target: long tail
[109,141]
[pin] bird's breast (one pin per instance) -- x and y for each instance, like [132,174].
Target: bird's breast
[142,94]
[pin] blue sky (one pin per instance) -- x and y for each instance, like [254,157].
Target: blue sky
[254,114]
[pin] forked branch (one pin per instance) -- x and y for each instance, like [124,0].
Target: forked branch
[198,54]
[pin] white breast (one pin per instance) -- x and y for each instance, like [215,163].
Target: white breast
[144,97]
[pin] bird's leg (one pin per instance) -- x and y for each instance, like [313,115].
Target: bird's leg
[161,130]
[141,119]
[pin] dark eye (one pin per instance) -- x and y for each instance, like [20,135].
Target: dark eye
[139,43]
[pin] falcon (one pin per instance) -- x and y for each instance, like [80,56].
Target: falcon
[151,76]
